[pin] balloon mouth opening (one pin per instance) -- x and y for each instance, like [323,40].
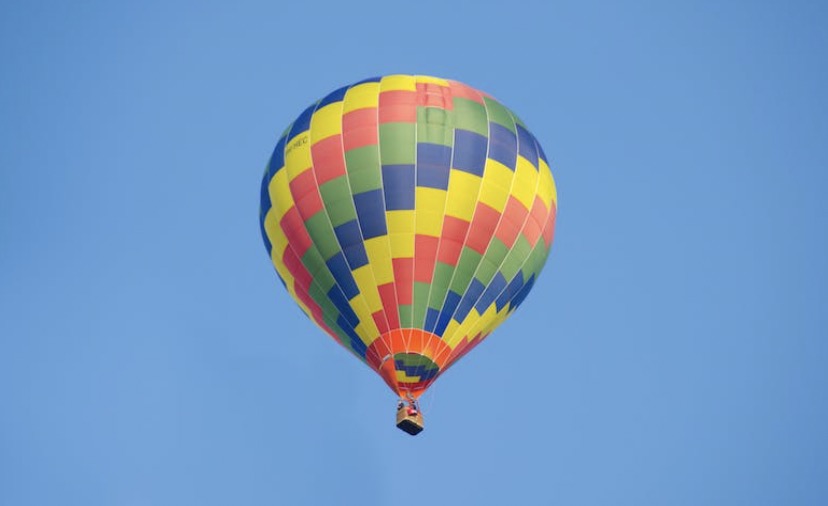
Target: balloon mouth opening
[408,374]
[409,360]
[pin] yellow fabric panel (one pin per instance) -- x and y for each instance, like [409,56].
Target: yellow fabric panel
[298,155]
[497,181]
[462,194]
[275,170]
[477,322]
[547,190]
[462,329]
[378,250]
[525,185]
[430,223]
[398,82]
[430,203]
[430,198]
[361,96]
[400,222]
[431,80]
[404,378]
[402,245]
[451,328]
[280,196]
[326,122]
[364,277]
[489,324]
[367,329]
[401,233]
[275,234]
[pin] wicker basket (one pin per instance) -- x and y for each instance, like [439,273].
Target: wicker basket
[410,421]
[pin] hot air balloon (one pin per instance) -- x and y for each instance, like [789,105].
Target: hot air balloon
[408,216]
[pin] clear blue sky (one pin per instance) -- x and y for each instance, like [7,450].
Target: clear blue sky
[674,352]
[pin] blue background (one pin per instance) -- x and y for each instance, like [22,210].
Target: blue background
[673,352]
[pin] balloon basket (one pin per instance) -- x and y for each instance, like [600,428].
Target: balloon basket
[408,422]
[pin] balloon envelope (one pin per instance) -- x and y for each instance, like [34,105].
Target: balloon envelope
[408,216]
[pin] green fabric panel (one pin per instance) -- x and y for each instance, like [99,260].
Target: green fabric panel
[365,180]
[339,203]
[366,157]
[313,261]
[439,284]
[335,189]
[466,266]
[486,270]
[320,295]
[397,143]
[405,315]
[318,269]
[434,126]
[341,210]
[469,115]
[421,291]
[499,114]
[415,360]
[322,234]
[497,250]
[363,167]
[536,259]
[514,260]
[325,279]
[492,260]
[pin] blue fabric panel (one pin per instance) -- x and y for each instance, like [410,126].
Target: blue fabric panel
[469,151]
[348,234]
[338,266]
[356,256]
[526,146]
[495,287]
[342,304]
[452,300]
[302,122]
[277,159]
[472,294]
[503,145]
[371,213]
[398,187]
[336,96]
[356,343]
[431,318]
[511,290]
[521,295]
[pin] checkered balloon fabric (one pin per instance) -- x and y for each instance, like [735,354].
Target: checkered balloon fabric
[408,216]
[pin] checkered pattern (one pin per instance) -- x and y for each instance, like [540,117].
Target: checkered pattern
[408,216]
